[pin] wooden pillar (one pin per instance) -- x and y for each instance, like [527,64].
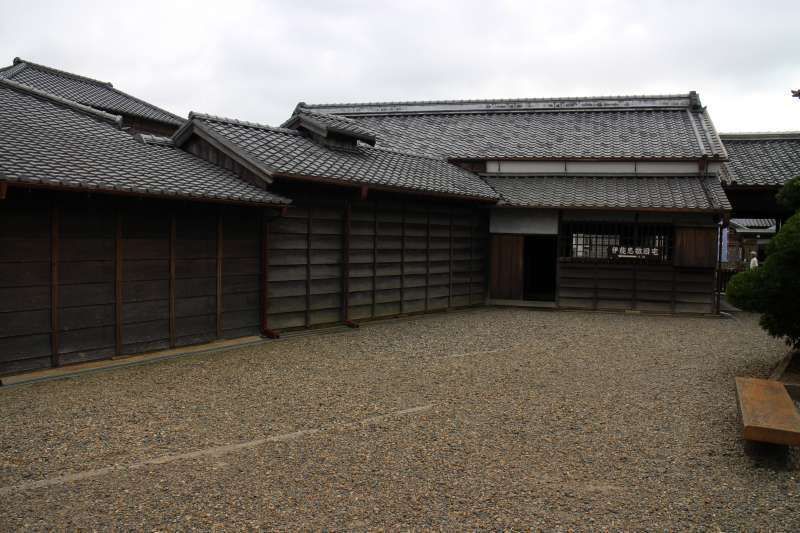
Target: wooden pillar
[3,190]
[402,258]
[450,258]
[220,254]
[55,233]
[471,245]
[346,227]
[172,270]
[427,255]
[118,273]
[374,256]
[308,268]
[263,295]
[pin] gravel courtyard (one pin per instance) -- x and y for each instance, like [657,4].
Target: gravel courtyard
[489,418]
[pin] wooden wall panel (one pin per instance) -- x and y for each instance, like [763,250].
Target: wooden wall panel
[696,247]
[402,257]
[241,273]
[650,288]
[106,275]
[25,297]
[86,282]
[145,281]
[195,275]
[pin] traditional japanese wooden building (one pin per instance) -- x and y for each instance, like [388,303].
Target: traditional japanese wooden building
[125,229]
[605,203]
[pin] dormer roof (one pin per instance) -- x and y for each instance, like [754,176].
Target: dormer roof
[326,125]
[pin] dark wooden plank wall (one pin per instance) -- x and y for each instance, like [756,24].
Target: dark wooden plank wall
[651,288]
[241,269]
[25,295]
[84,278]
[196,274]
[388,258]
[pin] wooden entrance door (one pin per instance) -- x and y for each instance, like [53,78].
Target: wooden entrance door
[507,282]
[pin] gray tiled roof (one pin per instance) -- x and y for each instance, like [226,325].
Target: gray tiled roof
[86,91]
[753,225]
[754,222]
[596,192]
[640,127]
[761,159]
[322,123]
[50,141]
[290,153]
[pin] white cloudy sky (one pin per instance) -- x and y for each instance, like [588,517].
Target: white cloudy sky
[256,59]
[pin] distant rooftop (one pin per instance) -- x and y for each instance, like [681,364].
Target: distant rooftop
[87,91]
[765,159]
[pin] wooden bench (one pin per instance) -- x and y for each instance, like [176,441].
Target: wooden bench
[768,413]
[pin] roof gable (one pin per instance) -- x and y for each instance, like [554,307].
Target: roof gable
[761,159]
[288,153]
[637,127]
[57,143]
[87,91]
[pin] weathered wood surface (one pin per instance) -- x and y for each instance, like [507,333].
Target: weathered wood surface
[380,258]
[650,288]
[768,412]
[89,277]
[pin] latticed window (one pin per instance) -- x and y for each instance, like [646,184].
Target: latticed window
[616,242]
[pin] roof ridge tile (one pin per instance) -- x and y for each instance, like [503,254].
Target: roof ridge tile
[115,120]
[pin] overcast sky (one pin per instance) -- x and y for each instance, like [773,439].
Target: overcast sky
[255,60]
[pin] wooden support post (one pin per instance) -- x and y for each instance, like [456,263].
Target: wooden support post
[347,223]
[118,273]
[55,233]
[471,244]
[374,256]
[172,271]
[450,258]
[220,254]
[308,269]
[674,288]
[264,292]
[3,190]
[427,255]
[402,258]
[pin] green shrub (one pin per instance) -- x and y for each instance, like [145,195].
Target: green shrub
[789,195]
[773,289]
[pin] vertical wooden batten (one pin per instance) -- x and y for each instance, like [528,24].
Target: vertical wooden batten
[346,264]
[402,258]
[374,257]
[55,231]
[427,256]
[308,268]
[450,257]
[172,284]
[118,251]
[220,252]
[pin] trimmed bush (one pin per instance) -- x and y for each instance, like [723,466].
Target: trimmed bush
[773,289]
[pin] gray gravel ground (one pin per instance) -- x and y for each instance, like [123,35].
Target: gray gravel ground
[525,418]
